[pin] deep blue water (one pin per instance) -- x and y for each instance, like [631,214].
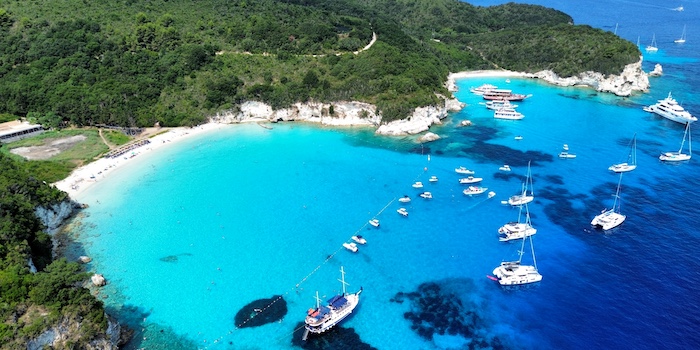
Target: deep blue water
[206,226]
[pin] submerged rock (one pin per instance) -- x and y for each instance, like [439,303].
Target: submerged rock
[336,338]
[440,314]
[261,311]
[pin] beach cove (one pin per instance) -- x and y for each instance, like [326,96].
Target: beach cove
[229,221]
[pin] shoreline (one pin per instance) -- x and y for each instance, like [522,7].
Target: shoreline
[84,177]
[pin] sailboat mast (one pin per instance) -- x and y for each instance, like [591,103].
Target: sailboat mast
[522,250]
[687,126]
[529,178]
[616,203]
[634,149]
[690,141]
[342,280]
[532,249]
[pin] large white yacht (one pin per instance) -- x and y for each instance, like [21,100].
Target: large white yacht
[508,113]
[670,109]
[324,317]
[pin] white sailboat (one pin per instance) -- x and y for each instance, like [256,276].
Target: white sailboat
[513,273]
[680,156]
[517,230]
[631,162]
[610,218]
[681,40]
[524,197]
[324,317]
[652,47]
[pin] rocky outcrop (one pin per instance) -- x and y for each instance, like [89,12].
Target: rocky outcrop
[338,114]
[63,335]
[657,72]
[631,79]
[428,137]
[421,120]
[98,280]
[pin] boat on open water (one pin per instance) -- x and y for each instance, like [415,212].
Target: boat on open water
[324,317]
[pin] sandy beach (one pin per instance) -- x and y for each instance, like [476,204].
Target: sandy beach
[82,178]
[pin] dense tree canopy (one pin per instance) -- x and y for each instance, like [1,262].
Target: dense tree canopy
[135,63]
[56,288]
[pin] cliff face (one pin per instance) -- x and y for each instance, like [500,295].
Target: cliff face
[63,334]
[631,79]
[342,114]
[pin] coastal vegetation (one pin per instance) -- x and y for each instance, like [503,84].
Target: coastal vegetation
[79,63]
[31,302]
[176,62]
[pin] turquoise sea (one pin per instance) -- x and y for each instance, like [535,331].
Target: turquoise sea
[189,235]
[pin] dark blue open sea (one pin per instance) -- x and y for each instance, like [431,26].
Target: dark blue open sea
[190,235]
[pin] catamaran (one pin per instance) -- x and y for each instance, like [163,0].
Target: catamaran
[610,218]
[517,230]
[513,273]
[631,162]
[524,197]
[680,156]
[324,317]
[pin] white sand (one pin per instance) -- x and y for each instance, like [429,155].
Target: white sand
[84,177]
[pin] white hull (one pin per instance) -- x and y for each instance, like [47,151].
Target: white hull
[351,247]
[513,274]
[463,170]
[404,199]
[671,110]
[608,219]
[515,230]
[508,113]
[473,190]
[315,325]
[622,167]
[520,199]
[470,180]
[674,157]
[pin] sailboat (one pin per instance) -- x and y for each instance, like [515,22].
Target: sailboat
[680,156]
[682,38]
[652,47]
[631,162]
[513,273]
[524,197]
[324,317]
[610,218]
[517,230]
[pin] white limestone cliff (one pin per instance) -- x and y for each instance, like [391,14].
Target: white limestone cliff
[338,113]
[342,114]
[631,79]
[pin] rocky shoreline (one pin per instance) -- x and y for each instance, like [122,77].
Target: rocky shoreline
[352,113]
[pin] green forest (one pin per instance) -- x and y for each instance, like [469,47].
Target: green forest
[176,62]
[31,302]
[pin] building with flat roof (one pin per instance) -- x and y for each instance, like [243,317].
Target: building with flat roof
[17,130]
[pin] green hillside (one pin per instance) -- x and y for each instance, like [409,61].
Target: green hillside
[135,63]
